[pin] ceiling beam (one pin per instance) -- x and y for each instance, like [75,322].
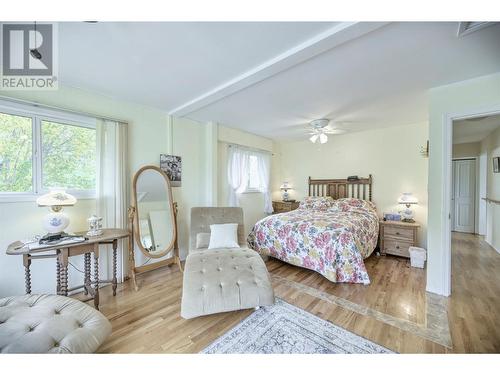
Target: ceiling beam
[322,42]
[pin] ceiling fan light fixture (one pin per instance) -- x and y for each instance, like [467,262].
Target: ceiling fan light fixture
[319,123]
[314,138]
[323,138]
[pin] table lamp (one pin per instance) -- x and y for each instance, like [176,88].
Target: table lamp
[55,222]
[285,187]
[407,199]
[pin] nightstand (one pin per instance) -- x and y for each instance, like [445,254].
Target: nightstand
[281,206]
[397,236]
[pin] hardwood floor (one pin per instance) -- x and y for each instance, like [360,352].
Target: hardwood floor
[394,310]
[474,305]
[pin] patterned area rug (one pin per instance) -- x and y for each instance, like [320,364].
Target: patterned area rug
[286,329]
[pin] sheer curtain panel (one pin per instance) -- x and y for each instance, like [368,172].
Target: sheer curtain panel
[112,184]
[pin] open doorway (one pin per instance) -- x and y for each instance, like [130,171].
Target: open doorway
[456,140]
[472,182]
[474,216]
[469,173]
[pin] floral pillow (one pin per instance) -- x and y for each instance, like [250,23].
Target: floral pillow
[316,203]
[347,204]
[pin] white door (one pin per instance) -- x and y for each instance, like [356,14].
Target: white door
[464,195]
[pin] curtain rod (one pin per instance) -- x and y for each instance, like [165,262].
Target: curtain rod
[62,109]
[248,148]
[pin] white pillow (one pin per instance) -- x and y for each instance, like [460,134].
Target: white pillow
[202,240]
[223,235]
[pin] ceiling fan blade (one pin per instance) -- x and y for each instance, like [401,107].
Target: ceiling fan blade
[335,131]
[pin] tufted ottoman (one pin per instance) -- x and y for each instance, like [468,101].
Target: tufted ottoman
[222,280]
[50,324]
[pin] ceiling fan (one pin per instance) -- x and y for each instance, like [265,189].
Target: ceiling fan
[318,129]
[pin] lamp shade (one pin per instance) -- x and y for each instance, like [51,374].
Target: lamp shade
[407,198]
[285,186]
[56,198]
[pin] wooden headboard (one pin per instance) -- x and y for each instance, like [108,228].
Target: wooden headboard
[341,188]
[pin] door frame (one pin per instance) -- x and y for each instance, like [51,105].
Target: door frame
[476,191]
[446,198]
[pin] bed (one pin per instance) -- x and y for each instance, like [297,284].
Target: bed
[332,231]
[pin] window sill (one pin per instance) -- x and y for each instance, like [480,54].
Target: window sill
[252,191]
[28,197]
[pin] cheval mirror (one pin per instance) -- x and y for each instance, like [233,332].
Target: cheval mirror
[153,221]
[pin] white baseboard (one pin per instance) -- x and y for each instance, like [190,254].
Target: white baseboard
[489,243]
[436,290]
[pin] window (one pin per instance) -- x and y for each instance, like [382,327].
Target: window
[68,156]
[16,153]
[42,149]
[248,171]
[253,175]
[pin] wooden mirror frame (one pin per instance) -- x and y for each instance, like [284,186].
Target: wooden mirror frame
[133,215]
[137,233]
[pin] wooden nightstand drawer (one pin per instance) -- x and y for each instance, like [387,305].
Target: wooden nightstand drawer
[399,233]
[396,237]
[280,206]
[399,248]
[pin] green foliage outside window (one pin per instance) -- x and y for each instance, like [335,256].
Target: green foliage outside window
[68,155]
[16,142]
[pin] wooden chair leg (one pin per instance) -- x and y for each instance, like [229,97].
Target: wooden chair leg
[96,278]
[179,264]
[63,260]
[114,281]
[27,273]
[58,276]
[86,282]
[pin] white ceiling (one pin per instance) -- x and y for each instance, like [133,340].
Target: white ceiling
[167,64]
[272,78]
[474,130]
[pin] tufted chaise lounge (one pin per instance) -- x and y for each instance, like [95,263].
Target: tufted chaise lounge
[226,279]
[50,324]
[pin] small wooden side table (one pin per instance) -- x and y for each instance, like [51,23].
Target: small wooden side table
[282,206]
[396,237]
[62,253]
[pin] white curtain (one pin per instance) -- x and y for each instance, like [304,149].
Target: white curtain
[264,170]
[112,191]
[237,173]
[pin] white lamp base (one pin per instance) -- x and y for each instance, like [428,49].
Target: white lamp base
[286,196]
[407,215]
[55,222]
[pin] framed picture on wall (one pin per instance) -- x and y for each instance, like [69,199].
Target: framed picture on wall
[172,166]
[496,164]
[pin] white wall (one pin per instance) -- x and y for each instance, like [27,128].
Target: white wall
[391,155]
[252,203]
[149,136]
[189,143]
[460,98]
[466,150]
[491,148]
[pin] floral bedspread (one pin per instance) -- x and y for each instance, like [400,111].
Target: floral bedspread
[332,241]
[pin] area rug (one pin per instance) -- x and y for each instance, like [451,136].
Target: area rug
[287,329]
